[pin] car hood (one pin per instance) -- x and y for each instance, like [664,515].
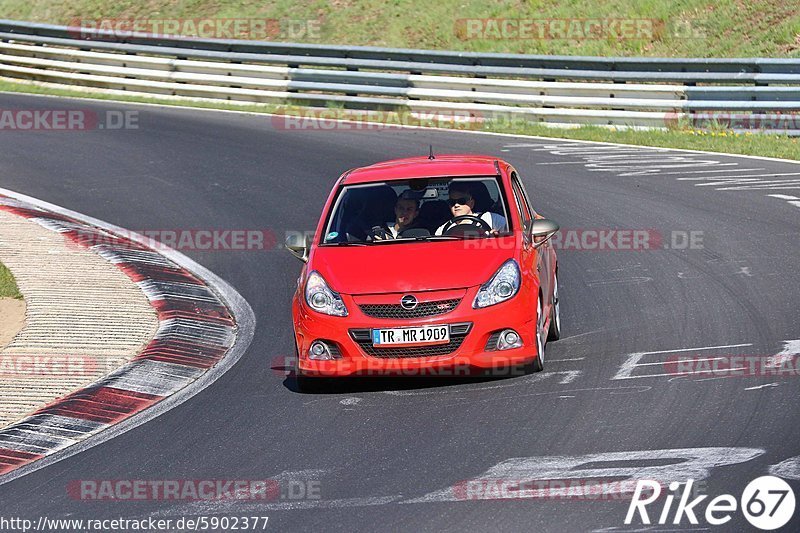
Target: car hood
[411,267]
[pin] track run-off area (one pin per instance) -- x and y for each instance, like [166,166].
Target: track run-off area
[671,264]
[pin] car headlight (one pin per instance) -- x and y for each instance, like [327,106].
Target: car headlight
[503,286]
[321,298]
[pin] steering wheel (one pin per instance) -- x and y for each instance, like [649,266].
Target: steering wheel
[379,233]
[474,221]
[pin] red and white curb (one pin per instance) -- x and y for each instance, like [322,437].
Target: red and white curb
[204,327]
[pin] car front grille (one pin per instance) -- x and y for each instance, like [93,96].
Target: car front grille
[423,309]
[458,332]
[491,344]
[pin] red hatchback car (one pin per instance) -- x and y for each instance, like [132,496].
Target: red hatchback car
[425,266]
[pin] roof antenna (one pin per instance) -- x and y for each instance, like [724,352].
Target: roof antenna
[431,156]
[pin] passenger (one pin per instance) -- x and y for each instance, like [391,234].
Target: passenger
[406,209]
[461,203]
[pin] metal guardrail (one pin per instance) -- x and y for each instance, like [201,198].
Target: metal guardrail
[552,89]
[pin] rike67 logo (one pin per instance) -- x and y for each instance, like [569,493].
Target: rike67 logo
[767,503]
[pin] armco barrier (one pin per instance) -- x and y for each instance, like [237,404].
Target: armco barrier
[556,90]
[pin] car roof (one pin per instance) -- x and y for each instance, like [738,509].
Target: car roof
[422,167]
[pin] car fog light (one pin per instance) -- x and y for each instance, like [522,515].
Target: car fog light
[508,339]
[319,351]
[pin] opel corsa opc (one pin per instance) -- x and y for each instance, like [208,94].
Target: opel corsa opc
[425,266]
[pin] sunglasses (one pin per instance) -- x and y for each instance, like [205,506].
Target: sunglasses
[452,202]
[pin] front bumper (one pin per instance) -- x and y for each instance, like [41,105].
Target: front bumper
[469,355]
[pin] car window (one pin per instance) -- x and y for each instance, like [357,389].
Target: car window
[362,211]
[515,179]
[522,201]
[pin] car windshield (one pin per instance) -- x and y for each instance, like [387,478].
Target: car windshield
[418,209]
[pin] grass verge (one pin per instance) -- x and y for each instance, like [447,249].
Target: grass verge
[689,28]
[780,146]
[8,286]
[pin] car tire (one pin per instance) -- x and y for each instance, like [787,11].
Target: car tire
[537,365]
[554,333]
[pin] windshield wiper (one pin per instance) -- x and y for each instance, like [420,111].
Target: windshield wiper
[438,238]
[346,243]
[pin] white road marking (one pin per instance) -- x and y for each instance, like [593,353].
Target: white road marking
[788,469]
[716,377]
[735,178]
[683,172]
[563,163]
[764,185]
[745,271]
[572,337]
[350,401]
[792,200]
[632,363]
[564,360]
[571,375]
[790,349]
[697,349]
[682,361]
[636,162]
[761,386]
[683,464]
[640,279]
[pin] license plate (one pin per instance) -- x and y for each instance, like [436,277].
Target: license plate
[422,335]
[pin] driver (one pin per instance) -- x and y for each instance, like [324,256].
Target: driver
[461,203]
[406,210]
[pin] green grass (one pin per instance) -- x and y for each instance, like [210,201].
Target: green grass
[682,28]
[713,141]
[8,286]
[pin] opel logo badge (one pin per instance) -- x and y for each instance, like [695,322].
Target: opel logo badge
[408,302]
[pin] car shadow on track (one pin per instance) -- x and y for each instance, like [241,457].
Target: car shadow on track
[358,384]
[349,385]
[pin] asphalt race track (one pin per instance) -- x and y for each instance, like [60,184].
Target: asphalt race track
[384,454]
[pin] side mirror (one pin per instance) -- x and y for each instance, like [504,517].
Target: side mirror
[298,246]
[542,229]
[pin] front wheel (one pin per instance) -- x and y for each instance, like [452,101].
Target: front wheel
[538,364]
[555,313]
